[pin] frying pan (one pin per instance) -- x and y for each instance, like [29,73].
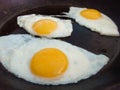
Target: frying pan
[81,36]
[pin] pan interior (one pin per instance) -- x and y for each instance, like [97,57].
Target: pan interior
[81,37]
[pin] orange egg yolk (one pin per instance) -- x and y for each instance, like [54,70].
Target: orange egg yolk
[48,63]
[44,26]
[91,14]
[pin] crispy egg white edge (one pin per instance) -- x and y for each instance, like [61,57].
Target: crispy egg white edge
[64,28]
[105,24]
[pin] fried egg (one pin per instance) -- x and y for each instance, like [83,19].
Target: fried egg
[49,61]
[94,20]
[46,26]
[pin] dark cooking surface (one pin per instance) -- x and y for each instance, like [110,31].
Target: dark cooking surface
[109,79]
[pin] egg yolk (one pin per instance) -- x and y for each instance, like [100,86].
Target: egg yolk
[49,62]
[90,14]
[44,26]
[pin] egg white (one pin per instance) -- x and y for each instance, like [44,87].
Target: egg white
[104,25]
[82,63]
[64,27]
[10,43]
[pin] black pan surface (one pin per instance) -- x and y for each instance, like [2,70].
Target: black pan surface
[81,36]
